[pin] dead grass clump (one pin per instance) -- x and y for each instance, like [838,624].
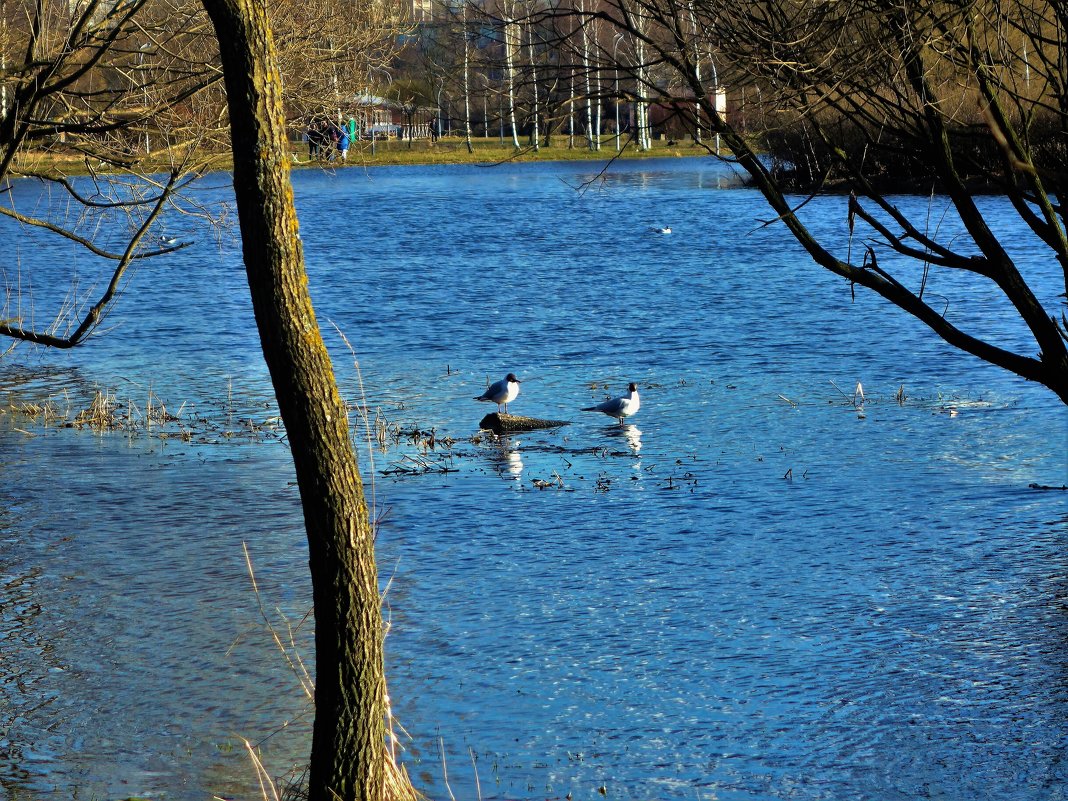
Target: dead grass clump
[107,413]
[47,412]
[294,786]
[100,415]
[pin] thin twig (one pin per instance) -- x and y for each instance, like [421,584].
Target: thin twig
[444,769]
[261,773]
[474,767]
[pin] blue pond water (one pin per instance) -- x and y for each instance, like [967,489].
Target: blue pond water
[752,592]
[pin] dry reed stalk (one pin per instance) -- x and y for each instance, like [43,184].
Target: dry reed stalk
[46,412]
[444,768]
[362,410]
[474,768]
[381,428]
[290,653]
[857,398]
[398,784]
[294,786]
[100,414]
[264,778]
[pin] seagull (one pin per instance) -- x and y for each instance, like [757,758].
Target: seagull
[620,407]
[501,392]
[168,240]
[665,230]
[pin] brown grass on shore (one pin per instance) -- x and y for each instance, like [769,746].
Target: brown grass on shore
[447,150]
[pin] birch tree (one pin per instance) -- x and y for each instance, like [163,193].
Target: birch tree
[593,135]
[510,33]
[467,81]
[571,113]
[535,135]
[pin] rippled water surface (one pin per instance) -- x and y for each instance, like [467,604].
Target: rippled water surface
[752,592]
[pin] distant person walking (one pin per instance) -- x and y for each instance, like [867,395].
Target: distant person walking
[343,144]
[319,141]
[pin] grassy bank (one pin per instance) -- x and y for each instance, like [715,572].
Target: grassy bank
[453,150]
[448,150]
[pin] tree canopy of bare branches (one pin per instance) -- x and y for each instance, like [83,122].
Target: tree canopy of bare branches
[956,99]
[130,95]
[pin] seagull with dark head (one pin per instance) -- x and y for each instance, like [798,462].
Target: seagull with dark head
[501,392]
[620,407]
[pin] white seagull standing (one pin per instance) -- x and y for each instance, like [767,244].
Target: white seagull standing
[501,392]
[620,407]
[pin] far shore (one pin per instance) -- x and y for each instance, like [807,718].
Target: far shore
[491,150]
[446,150]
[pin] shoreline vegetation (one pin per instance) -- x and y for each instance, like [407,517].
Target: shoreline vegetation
[381,153]
[796,163]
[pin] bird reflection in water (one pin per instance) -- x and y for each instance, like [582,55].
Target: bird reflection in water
[630,434]
[506,459]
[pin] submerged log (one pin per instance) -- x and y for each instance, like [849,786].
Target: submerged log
[513,424]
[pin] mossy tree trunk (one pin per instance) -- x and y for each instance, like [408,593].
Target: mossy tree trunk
[347,759]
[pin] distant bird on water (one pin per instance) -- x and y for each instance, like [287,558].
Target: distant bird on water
[168,240]
[665,230]
[620,407]
[501,392]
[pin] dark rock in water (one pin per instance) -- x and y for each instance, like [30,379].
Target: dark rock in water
[512,424]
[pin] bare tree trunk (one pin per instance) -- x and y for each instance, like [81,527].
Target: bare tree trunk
[347,758]
[571,114]
[592,142]
[467,89]
[696,75]
[641,107]
[3,59]
[534,82]
[509,68]
[597,92]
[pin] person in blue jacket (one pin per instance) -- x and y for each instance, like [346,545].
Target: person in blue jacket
[343,143]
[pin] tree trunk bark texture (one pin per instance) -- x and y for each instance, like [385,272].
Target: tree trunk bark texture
[347,758]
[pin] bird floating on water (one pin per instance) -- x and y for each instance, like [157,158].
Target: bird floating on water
[168,240]
[501,392]
[621,407]
[661,230]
